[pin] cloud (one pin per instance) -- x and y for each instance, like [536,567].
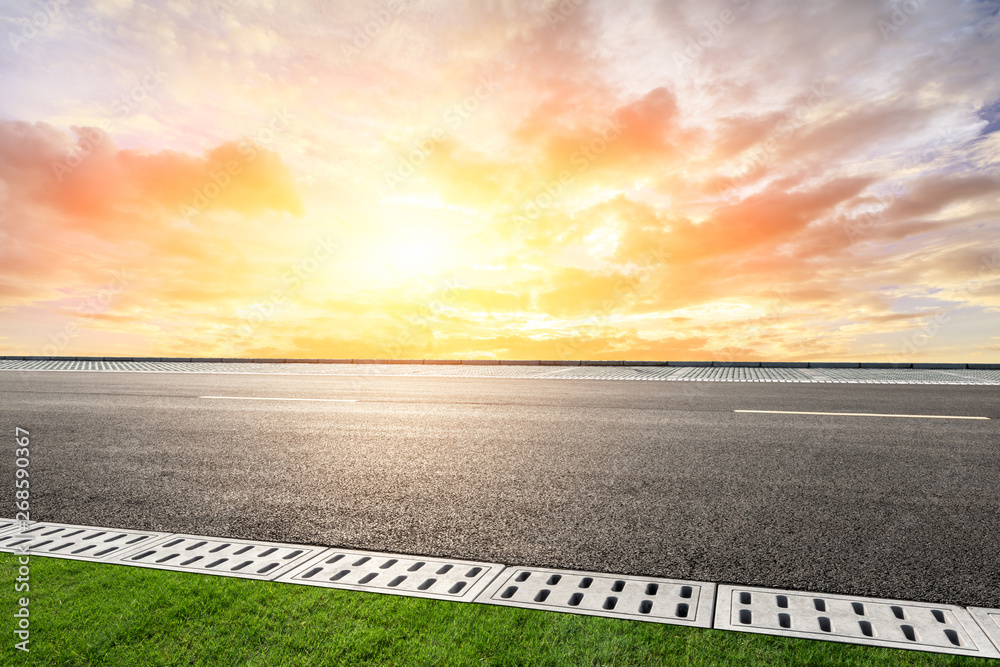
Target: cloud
[801,184]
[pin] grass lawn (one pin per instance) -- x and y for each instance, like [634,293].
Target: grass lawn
[91,614]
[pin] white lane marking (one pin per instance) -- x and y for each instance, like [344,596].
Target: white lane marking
[858,414]
[257,398]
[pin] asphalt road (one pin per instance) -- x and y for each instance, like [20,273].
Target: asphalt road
[650,478]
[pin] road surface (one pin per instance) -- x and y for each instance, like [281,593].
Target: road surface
[651,478]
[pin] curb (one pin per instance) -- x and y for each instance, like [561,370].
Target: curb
[544,362]
[972,631]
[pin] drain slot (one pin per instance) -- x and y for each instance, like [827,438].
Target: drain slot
[72,542]
[615,596]
[442,579]
[259,560]
[868,621]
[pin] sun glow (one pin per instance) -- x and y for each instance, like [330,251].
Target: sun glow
[513,184]
[413,254]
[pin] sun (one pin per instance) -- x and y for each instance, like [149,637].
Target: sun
[412,253]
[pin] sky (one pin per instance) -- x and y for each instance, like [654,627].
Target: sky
[730,180]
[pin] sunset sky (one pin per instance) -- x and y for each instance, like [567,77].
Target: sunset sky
[706,179]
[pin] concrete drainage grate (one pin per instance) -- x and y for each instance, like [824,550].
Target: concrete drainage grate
[856,620]
[8,526]
[75,542]
[213,555]
[596,594]
[439,578]
[989,620]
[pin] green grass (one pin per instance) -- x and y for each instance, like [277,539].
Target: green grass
[91,614]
